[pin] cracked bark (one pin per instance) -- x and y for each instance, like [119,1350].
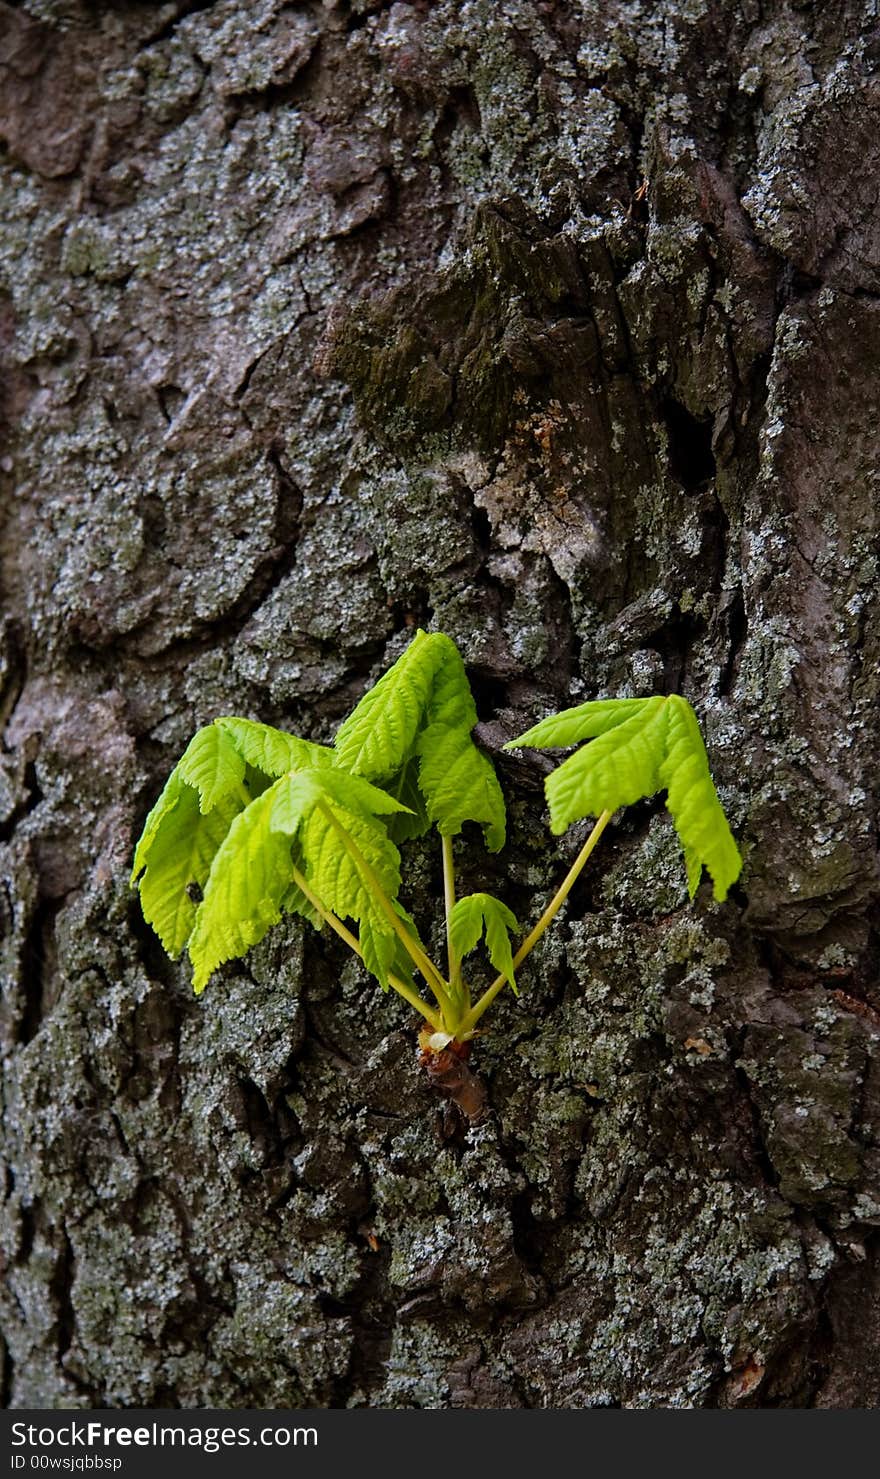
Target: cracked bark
[557,328]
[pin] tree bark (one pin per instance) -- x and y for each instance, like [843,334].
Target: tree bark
[555,327]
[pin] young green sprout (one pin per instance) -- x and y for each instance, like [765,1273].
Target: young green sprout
[254,823]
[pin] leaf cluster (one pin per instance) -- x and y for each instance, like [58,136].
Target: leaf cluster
[249,810]
[254,823]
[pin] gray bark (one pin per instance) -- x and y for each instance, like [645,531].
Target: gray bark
[556,326]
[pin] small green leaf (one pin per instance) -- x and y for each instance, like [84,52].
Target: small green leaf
[423,707]
[378,947]
[692,799]
[272,750]
[303,789]
[341,869]
[211,764]
[617,769]
[476,914]
[250,881]
[357,794]
[293,797]
[460,785]
[175,860]
[570,726]
[249,878]
[457,780]
[378,736]
[166,803]
[466,924]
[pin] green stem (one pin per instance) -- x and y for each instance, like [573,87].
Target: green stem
[531,940]
[353,943]
[459,991]
[411,946]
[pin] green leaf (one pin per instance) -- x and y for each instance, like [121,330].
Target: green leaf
[460,785]
[175,856]
[250,881]
[302,790]
[166,803]
[456,779]
[617,769]
[378,736]
[211,764]
[272,750]
[379,948]
[570,726]
[423,709]
[249,878]
[341,870]
[476,914]
[693,801]
[357,794]
[639,747]
[293,798]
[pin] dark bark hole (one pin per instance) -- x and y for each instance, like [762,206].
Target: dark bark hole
[62,1288]
[39,962]
[170,398]
[413,611]
[793,283]
[482,527]
[674,641]
[529,1236]
[27,1234]
[490,692]
[691,459]
[737,627]
[32,798]
[461,106]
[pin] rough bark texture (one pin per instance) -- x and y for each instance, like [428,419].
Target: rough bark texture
[556,326]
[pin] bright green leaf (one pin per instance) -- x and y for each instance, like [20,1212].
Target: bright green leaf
[248,880]
[691,798]
[341,867]
[423,707]
[293,797]
[457,780]
[175,860]
[211,763]
[357,794]
[616,769]
[460,785]
[166,803]
[303,789]
[272,750]
[479,914]
[379,948]
[466,924]
[378,736]
[571,726]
